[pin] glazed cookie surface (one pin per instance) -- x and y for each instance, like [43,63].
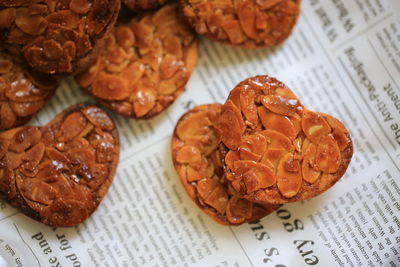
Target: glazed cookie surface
[23,92]
[243,23]
[59,173]
[57,36]
[145,66]
[277,151]
[197,160]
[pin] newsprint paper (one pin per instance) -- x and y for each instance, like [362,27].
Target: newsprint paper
[343,58]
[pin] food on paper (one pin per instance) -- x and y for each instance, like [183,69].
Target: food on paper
[59,173]
[23,92]
[197,160]
[278,151]
[243,23]
[57,36]
[145,66]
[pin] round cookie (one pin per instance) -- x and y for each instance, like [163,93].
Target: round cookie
[138,5]
[145,66]
[277,151]
[243,23]
[57,36]
[197,160]
[23,92]
[59,173]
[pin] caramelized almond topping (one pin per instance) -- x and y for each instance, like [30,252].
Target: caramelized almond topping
[328,156]
[206,186]
[198,157]
[289,177]
[191,155]
[310,174]
[281,105]
[230,126]
[145,64]
[61,171]
[278,123]
[315,126]
[254,172]
[57,36]
[267,163]
[248,107]
[239,210]
[7,17]
[243,23]
[80,6]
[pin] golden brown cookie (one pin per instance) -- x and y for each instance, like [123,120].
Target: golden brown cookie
[243,23]
[196,157]
[138,5]
[23,92]
[145,66]
[59,173]
[277,151]
[57,36]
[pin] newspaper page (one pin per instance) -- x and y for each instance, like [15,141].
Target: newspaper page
[343,58]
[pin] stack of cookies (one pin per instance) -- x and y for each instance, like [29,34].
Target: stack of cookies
[238,161]
[241,160]
[136,65]
[58,173]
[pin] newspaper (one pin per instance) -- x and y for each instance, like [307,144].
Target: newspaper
[343,58]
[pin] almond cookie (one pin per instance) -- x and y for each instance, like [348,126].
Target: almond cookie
[57,36]
[137,5]
[277,151]
[243,23]
[197,160]
[23,92]
[145,66]
[59,173]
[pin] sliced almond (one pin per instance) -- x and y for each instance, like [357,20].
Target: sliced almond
[289,180]
[308,167]
[315,126]
[277,122]
[248,107]
[238,210]
[206,186]
[246,154]
[72,126]
[328,157]
[32,25]
[190,155]
[110,87]
[144,100]
[263,174]
[38,191]
[230,158]
[281,105]
[230,126]
[193,125]
[276,139]
[7,17]
[218,199]
[255,143]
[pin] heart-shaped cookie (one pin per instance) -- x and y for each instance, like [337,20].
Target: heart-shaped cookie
[243,23]
[57,36]
[23,92]
[197,160]
[145,66]
[277,151]
[59,173]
